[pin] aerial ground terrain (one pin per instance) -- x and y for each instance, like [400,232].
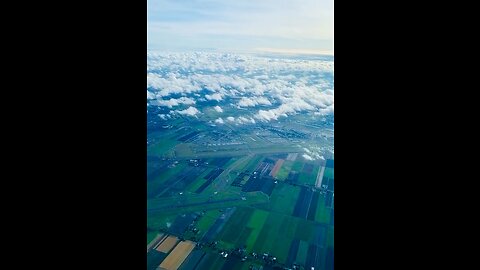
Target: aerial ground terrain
[240,161]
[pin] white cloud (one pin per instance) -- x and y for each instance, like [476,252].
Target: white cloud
[274,114]
[263,101]
[246,102]
[219,120]
[307,157]
[231,119]
[191,111]
[224,69]
[253,101]
[174,102]
[324,111]
[218,109]
[293,85]
[215,96]
[170,84]
[150,95]
[266,115]
[244,120]
[289,106]
[313,154]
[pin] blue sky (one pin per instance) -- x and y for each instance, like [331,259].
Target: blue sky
[240,25]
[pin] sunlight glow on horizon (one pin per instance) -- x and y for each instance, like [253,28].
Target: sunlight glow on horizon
[284,26]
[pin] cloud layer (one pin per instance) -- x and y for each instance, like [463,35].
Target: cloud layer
[259,88]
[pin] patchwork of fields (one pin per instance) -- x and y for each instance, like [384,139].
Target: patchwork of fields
[217,205]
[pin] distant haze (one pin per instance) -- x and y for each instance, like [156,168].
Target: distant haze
[284,26]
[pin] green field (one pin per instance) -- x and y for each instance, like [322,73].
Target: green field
[305,230]
[239,164]
[154,185]
[283,198]
[207,220]
[285,236]
[330,236]
[159,222]
[161,148]
[151,235]
[323,213]
[211,262]
[253,163]
[297,165]
[154,258]
[199,202]
[230,162]
[302,252]
[268,234]
[309,178]
[256,222]
[328,173]
[284,170]
[191,150]
[198,182]
[232,230]
[184,150]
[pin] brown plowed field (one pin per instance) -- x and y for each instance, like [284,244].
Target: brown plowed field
[178,255]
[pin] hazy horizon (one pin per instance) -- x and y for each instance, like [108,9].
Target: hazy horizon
[282,26]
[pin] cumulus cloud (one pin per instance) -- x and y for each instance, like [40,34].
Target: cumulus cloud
[292,85]
[174,102]
[150,95]
[231,118]
[246,102]
[190,111]
[219,120]
[254,101]
[274,114]
[244,120]
[263,101]
[324,111]
[266,115]
[307,157]
[313,154]
[226,63]
[216,96]
[289,106]
[170,84]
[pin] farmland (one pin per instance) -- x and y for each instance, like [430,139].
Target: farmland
[239,198]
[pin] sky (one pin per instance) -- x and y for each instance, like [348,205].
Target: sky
[296,26]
